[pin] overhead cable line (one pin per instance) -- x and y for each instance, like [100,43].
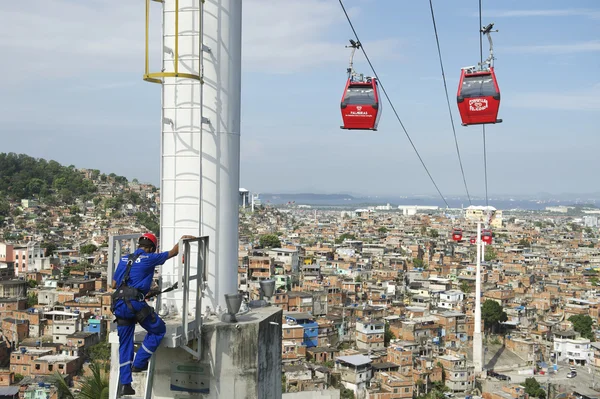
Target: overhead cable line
[483,126]
[362,47]
[462,171]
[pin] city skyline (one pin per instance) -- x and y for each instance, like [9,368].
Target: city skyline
[83,92]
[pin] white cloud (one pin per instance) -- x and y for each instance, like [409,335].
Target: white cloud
[544,13]
[582,100]
[86,39]
[289,36]
[65,39]
[581,47]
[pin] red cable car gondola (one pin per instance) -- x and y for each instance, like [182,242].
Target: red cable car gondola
[457,234]
[360,105]
[478,93]
[473,239]
[486,236]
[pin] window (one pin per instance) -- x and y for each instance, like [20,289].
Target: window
[24,368]
[360,95]
[50,367]
[477,86]
[406,390]
[61,366]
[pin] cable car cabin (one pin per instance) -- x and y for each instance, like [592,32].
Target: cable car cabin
[478,97]
[360,105]
[486,236]
[457,234]
[473,239]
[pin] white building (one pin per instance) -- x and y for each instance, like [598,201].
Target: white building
[289,257]
[355,372]
[482,213]
[590,221]
[370,334]
[409,210]
[451,300]
[569,347]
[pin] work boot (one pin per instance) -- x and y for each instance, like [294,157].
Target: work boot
[127,389]
[138,369]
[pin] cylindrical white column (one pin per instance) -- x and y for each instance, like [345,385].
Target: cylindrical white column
[221,144]
[482,251]
[180,190]
[477,338]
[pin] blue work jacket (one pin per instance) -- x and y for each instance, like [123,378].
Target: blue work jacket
[142,270]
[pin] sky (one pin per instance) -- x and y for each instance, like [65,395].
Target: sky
[72,91]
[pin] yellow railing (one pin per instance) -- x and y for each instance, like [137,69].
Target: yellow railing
[156,77]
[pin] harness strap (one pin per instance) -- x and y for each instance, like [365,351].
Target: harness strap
[121,292]
[126,293]
[130,261]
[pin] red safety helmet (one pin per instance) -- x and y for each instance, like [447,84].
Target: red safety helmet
[148,237]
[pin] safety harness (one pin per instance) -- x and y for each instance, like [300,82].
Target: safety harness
[127,294]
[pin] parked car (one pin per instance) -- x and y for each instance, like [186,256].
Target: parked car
[572,374]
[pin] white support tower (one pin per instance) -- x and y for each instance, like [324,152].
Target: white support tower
[477,338]
[200,160]
[200,140]
[221,144]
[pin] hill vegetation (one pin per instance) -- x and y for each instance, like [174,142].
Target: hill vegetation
[52,185]
[22,176]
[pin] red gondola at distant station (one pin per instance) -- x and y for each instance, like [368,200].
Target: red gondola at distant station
[360,105]
[486,236]
[457,234]
[478,93]
[473,240]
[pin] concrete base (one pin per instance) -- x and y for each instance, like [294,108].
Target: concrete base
[238,360]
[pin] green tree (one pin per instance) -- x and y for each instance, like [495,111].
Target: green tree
[533,388]
[583,325]
[88,249]
[32,299]
[149,221]
[433,233]
[382,230]
[418,263]
[346,393]
[100,351]
[50,248]
[523,242]
[465,287]
[490,253]
[388,335]
[269,241]
[18,377]
[4,209]
[94,386]
[32,283]
[344,237]
[492,314]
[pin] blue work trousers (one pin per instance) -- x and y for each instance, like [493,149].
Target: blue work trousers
[156,329]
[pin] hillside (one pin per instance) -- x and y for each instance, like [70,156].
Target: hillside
[63,197]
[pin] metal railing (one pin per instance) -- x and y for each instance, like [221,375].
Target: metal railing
[186,278]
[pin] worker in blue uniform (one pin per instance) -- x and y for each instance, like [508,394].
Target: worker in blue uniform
[132,280]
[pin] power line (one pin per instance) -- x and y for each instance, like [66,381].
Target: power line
[462,171]
[483,126]
[362,47]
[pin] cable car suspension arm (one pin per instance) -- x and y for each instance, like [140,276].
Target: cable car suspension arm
[354,45]
[486,30]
